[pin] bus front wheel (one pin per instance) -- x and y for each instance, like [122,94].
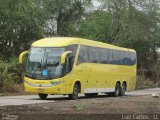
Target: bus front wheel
[76,90]
[43,96]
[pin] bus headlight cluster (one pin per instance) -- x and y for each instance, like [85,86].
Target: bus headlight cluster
[57,83]
[27,83]
[52,83]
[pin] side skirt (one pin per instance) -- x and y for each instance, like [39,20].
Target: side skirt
[98,90]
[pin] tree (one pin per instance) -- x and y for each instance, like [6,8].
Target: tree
[95,25]
[20,24]
[65,12]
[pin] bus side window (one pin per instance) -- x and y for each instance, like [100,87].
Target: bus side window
[99,55]
[110,57]
[133,58]
[114,56]
[128,58]
[103,56]
[120,57]
[83,55]
[95,58]
[106,55]
[89,54]
[125,60]
[71,57]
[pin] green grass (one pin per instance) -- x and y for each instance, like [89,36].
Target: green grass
[78,107]
[10,75]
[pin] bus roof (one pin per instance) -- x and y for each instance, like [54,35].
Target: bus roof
[65,41]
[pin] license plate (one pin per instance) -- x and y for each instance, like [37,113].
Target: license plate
[40,90]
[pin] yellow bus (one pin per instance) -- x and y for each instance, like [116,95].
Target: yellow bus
[69,66]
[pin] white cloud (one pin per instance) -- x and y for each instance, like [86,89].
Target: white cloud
[96,3]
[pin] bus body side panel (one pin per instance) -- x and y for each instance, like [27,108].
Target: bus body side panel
[100,79]
[103,77]
[131,83]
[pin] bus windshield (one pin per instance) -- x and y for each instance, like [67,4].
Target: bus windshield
[44,63]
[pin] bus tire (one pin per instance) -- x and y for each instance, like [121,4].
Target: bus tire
[117,90]
[123,89]
[43,96]
[76,90]
[91,94]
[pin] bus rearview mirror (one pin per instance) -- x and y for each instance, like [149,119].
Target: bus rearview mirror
[64,55]
[21,56]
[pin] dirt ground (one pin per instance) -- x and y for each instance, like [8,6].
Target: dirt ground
[101,107]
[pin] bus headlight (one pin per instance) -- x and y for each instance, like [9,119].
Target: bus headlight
[52,83]
[57,83]
[27,83]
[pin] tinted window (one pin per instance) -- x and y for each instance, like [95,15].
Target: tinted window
[127,60]
[71,57]
[83,55]
[95,57]
[103,56]
[122,53]
[72,48]
[133,58]
[110,56]
[114,56]
[90,55]
[93,54]
[106,56]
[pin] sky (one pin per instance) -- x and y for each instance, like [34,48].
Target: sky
[96,4]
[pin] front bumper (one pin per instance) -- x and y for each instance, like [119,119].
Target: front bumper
[45,89]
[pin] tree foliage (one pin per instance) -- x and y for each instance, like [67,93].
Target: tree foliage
[64,13]
[21,22]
